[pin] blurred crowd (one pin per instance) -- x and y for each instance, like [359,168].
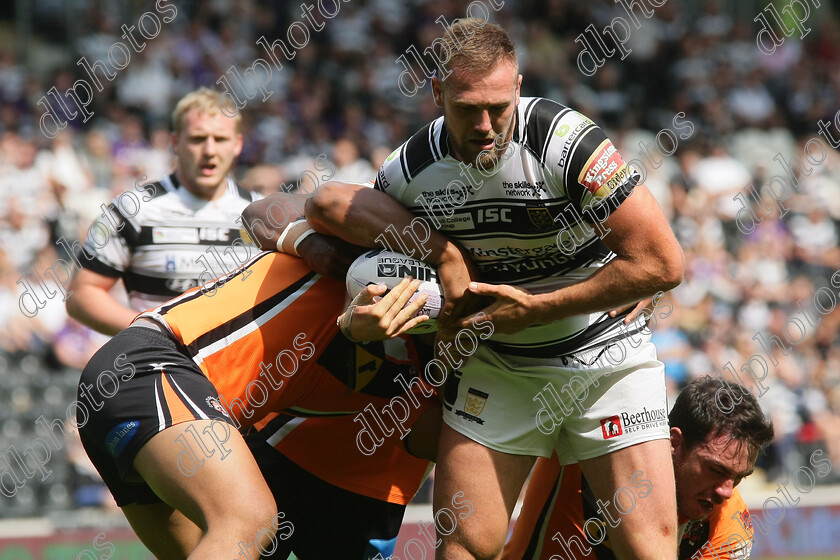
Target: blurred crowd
[339,97]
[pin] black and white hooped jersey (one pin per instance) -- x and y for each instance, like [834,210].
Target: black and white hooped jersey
[170,242]
[528,221]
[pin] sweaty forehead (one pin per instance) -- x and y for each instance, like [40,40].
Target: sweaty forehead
[496,86]
[738,456]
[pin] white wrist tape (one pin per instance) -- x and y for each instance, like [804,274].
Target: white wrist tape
[285,232]
[301,237]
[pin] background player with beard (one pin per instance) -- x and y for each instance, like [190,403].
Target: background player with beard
[712,452]
[548,310]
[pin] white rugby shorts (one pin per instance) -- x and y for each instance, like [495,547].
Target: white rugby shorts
[532,406]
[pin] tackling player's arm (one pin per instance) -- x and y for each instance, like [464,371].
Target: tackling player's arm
[360,215]
[267,219]
[93,305]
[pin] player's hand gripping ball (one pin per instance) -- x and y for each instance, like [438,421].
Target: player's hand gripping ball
[387,267]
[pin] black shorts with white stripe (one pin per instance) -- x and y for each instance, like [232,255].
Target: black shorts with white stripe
[137,385]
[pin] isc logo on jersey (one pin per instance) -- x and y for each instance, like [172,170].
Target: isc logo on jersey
[214,234]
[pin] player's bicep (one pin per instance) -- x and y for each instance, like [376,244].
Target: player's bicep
[638,228]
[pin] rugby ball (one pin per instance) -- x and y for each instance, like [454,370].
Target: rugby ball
[387,267]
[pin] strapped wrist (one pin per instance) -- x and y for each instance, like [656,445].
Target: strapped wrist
[292,235]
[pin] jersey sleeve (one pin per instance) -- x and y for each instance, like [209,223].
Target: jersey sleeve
[596,178]
[391,178]
[107,248]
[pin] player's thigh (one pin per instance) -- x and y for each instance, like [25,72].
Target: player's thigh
[637,485]
[221,484]
[622,442]
[166,532]
[474,495]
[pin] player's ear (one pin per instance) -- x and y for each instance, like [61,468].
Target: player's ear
[437,91]
[677,440]
[238,143]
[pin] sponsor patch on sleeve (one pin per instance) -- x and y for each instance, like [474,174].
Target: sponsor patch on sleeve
[604,171]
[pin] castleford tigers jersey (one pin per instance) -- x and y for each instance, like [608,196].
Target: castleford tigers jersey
[528,220]
[266,337]
[560,519]
[163,240]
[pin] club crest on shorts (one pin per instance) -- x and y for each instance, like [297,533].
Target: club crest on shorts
[473,406]
[475,401]
[611,427]
[213,402]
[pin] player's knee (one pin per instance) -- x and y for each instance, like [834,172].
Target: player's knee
[264,516]
[482,542]
[477,551]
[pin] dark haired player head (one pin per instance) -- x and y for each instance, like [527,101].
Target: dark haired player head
[713,450]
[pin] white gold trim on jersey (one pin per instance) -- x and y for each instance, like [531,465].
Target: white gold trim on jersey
[553,126]
[528,110]
[433,135]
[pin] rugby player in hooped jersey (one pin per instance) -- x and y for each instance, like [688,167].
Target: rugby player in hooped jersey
[581,239]
[712,451]
[158,246]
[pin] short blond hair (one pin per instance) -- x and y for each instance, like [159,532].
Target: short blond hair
[204,100]
[477,46]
